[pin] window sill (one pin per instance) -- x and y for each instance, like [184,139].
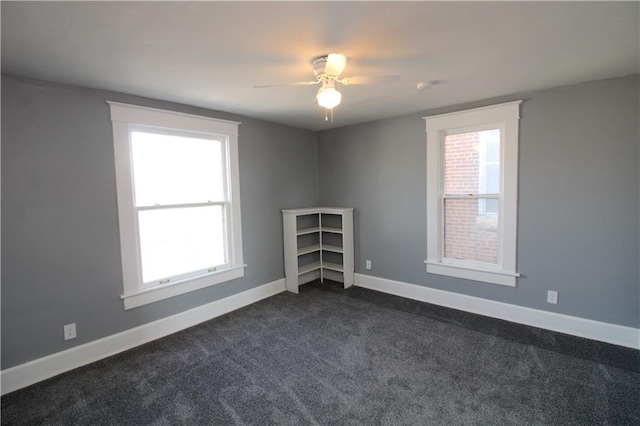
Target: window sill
[154,294]
[484,275]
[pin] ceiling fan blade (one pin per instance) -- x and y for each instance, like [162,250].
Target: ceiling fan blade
[299,83]
[335,64]
[370,79]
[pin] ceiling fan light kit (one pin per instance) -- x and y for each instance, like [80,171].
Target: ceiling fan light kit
[328,97]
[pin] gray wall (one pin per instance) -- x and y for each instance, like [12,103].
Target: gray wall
[578,221]
[60,246]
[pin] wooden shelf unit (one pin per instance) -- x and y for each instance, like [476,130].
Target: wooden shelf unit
[318,244]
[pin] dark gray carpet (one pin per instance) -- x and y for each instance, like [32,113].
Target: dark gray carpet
[330,356]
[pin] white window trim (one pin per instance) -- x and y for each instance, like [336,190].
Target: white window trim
[504,116]
[124,117]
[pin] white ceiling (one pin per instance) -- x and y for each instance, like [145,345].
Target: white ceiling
[211,54]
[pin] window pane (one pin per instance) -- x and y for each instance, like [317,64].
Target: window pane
[472,162]
[489,206]
[181,240]
[172,169]
[469,235]
[491,141]
[461,163]
[491,179]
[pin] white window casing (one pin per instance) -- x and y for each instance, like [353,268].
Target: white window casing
[504,117]
[127,118]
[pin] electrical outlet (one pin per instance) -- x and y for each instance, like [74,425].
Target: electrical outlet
[552,297]
[368,264]
[70,331]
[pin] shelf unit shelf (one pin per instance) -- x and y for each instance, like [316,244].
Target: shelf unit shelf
[308,249]
[333,266]
[305,231]
[332,230]
[321,238]
[308,268]
[335,249]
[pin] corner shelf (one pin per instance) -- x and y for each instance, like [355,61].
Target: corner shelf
[318,244]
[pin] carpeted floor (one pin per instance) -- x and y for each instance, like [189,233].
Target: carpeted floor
[333,356]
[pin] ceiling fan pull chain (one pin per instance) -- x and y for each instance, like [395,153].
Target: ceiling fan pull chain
[326,114]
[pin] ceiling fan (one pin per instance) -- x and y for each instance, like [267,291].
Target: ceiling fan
[327,70]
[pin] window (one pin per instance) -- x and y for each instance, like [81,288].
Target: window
[472,183]
[178,202]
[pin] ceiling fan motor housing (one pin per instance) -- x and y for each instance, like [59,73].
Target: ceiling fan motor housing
[319,65]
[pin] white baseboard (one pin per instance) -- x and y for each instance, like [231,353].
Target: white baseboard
[43,368]
[590,329]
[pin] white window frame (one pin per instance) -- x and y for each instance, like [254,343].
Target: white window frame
[126,118]
[504,117]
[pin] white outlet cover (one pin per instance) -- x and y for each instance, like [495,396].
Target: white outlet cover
[70,331]
[552,297]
